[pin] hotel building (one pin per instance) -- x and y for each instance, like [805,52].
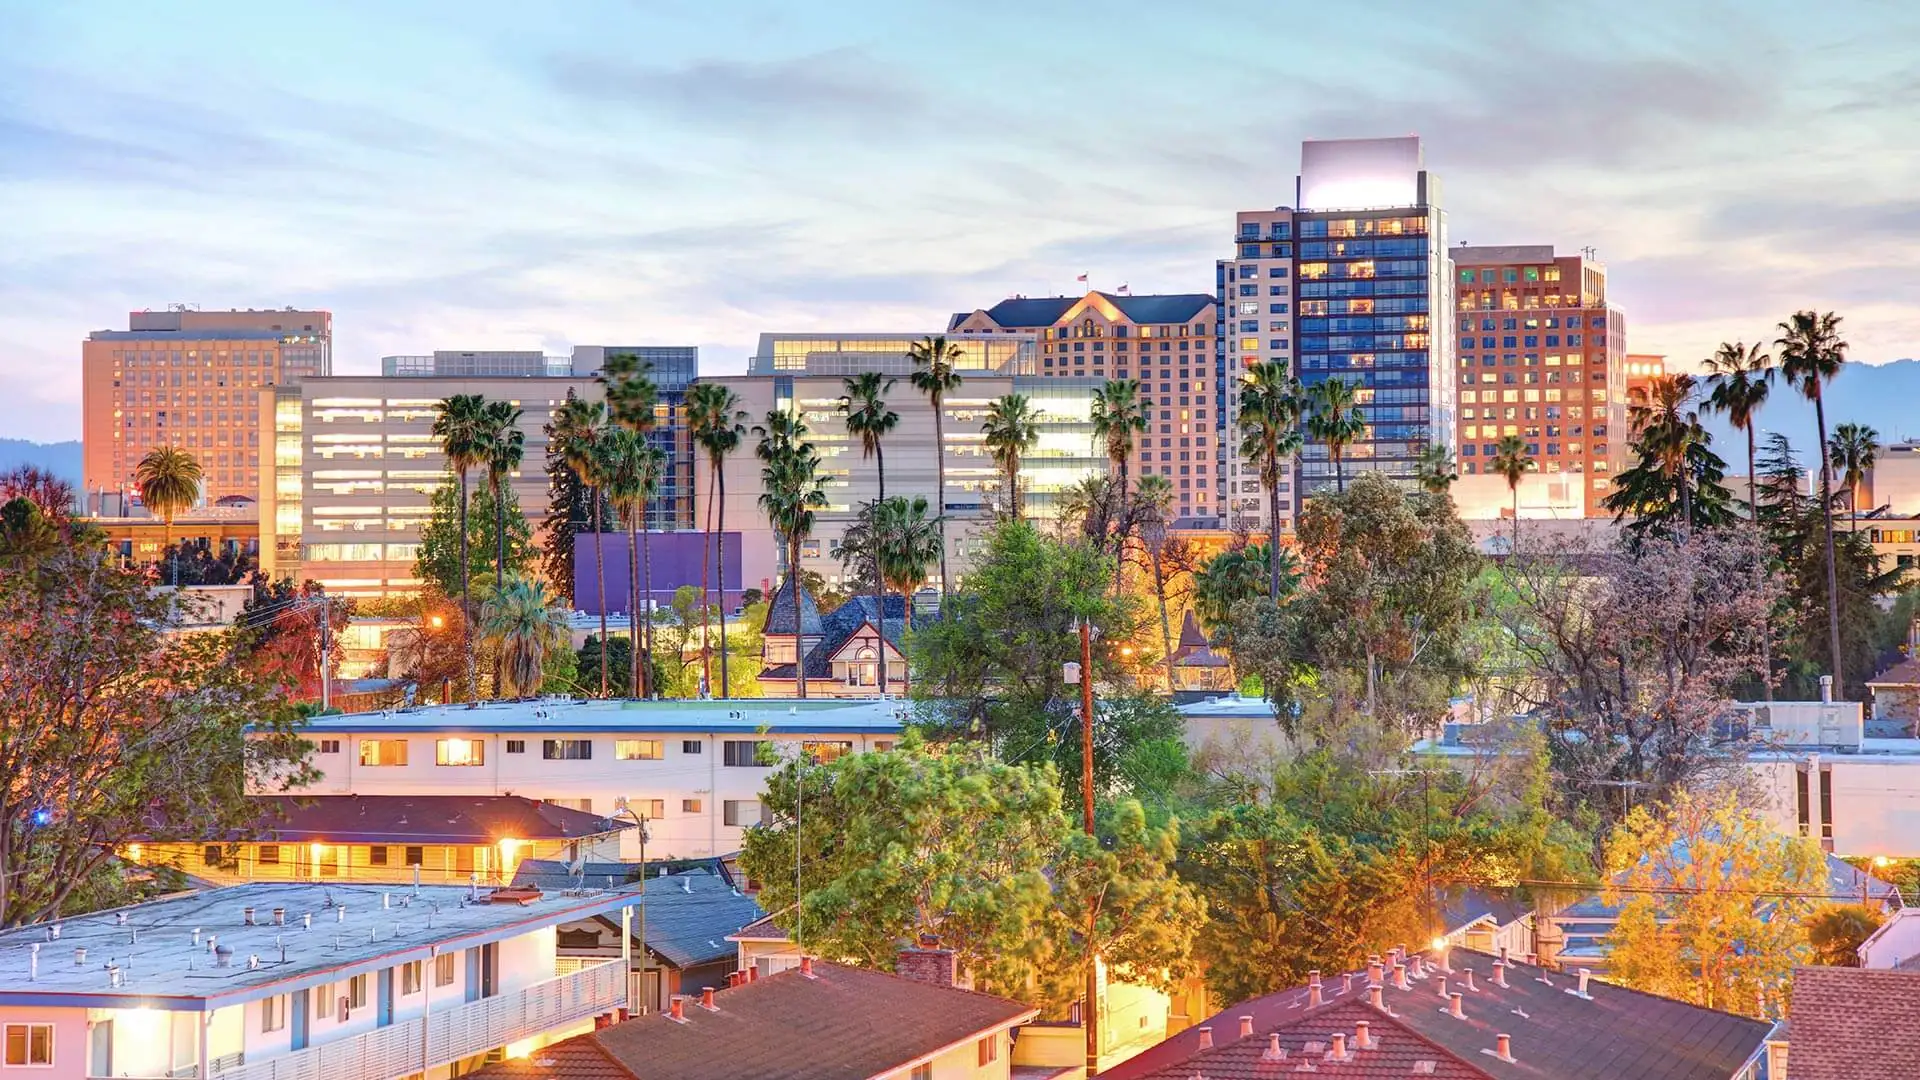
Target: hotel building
[194,380]
[1542,357]
[807,373]
[1166,343]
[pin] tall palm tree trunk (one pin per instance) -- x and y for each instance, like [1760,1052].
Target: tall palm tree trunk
[706,599]
[646,581]
[1273,543]
[1166,627]
[1753,515]
[499,571]
[1339,476]
[940,488]
[600,579]
[720,556]
[166,545]
[1013,488]
[793,575]
[879,583]
[1826,520]
[1515,490]
[906,627]
[466,596]
[634,677]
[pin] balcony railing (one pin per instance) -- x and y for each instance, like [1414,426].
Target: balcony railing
[454,1032]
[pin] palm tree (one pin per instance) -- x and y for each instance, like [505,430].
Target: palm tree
[460,423]
[790,493]
[907,540]
[1119,415]
[633,401]
[169,482]
[1269,423]
[1854,448]
[524,625]
[867,418]
[1335,419]
[1154,497]
[1668,427]
[717,423]
[1811,356]
[1011,429]
[1511,460]
[506,447]
[934,375]
[1434,469]
[581,427]
[630,469]
[1739,378]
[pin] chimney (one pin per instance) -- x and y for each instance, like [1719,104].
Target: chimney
[1246,1027]
[246,916]
[706,1000]
[1453,1006]
[753,973]
[1339,1050]
[1206,1038]
[1470,987]
[806,968]
[679,1013]
[1376,997]
[935,967]
[1362,1035]
[1503,1047]
[1274,1051]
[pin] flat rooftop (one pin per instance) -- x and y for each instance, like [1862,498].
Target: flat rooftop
[355,929]
[777,716]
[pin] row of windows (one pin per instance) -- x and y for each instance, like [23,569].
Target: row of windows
[1551,322]
[1363,268]
[1509,274]
[1511,341]
[1353,323]
[1491,449]
[458,752]
[1363,306]
[1090,328]
[1349,249]
[1278,230]
[1362,287]
[340,1000]
[1386,226]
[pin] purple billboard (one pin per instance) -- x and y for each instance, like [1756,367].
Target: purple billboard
[676,562]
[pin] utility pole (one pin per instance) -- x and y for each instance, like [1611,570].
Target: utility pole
[1091,1014]
[326,625]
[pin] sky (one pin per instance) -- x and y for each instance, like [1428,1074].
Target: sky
[468,175]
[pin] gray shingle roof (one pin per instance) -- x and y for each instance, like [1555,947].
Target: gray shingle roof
[781,617]
[688,929]
[845,621]
[1854,1024]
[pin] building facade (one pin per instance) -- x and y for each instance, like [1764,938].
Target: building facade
[1542,357]
[692,770]
[806,373]
[274,980]
[1164,342]
[193,380]
[1255,313]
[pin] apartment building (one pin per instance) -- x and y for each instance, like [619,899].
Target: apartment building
[1342,284]
[194,380]
[356,463]
[806,373]
[692,770]
[1543,357]
[274,980]
[1165,342]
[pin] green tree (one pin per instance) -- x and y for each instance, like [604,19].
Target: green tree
[906,545]
[115,728]
[978,854]
[504,447]
[1271,406]
[461,425]
[1154,498]
[169,482]
[1739,378]
[572,506]
[1836,932]
[1119,417]
[867,417]
[629,469]
[717,424]
[790,493]
[1511,460]
[633,401]
[1675,485]
[1011,429]
[1713,904]
[935,374]
[521,623]
[1812,353]
[443,545]
[1853,450]
[580,427]
[618,651]
[1334,418]
[1235,575]
[1434,469]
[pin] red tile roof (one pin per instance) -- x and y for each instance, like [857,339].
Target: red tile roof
[843,1023]
[1854,1024]
[1393,1050]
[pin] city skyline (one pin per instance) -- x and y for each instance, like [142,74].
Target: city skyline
[460,179]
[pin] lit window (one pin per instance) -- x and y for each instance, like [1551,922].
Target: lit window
[29,1044]
[460,752]
[383,752]
[638,750]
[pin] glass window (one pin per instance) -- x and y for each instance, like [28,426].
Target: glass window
[460,752]
[516,746]
[29,1044]
[689,806]
[383,752]
[692,746]
[410,978]
[566,749]
[638,750]
[742,752]
[443,969]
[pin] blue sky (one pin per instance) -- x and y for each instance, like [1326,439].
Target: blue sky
[467,175]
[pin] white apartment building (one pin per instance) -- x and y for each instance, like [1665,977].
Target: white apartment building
[283,981]
[693,771]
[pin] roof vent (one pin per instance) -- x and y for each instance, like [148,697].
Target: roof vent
[1339,1050]
[1453,1006]
[1470,987]
[1502,1048]
[1274,1051]
[223,956]
[1363,1036]
[1206,1037]
[246,916]
[1424,1067]
[1582,993]
[1246,1027]
[279,916]
[80,957]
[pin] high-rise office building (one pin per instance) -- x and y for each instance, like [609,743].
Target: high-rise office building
[193,380]
[1345,283]
[1541,357]
[1166,343]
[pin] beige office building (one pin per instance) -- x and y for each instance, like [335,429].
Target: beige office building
[807,373]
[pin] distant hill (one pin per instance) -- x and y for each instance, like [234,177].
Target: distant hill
[60,458]
[1880,395]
